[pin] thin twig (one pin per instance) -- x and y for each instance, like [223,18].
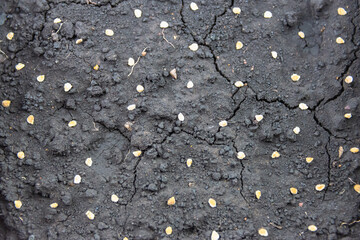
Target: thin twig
[356,221]
[126,155]
[132,68]
[277,226]
[1,51]
[352,181]
[59,28]
[163,34]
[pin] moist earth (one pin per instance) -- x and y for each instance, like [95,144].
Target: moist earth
[108,133]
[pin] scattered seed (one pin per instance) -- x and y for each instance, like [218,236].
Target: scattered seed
[194,6]
[137,153]
[21,155]
[128,125]
[96,67]
[19,66]
[72,123]
[212,202]
[88,162]
[341,151]
[274,54]
[263,232]
[301,34]
[357,188]
[77,179]
[239,45]
[6,103]
[90,215]
[189,162]
[109,32]
[293,191]
[275,154]
[215,235]
[312,228]
[303,106]
[194,47]
[173,73]
[347,115]
[78,41]
[341,11]
[137,13]
[114,198]
[259,117]
[17,204]
[143,53]
[348,79]
[181,117]
[125,238]
[30,119]
[54,205]
[239,84]
[240,155]
[164,24]
[309,159]
[296,130]
[139,88]
[339,40]
[131,62]
[267,14]
[258,194]
[57,20]
[171,201]
[10,35]
[354,150]
[223,123]
[190,84]
[168,230]
[131,107]
[67,87]
[236,10]
[295,77]
[40,78]
[320,187]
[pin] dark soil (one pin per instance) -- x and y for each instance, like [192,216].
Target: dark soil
[98,101]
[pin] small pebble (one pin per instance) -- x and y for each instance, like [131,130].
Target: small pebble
[295,77]
[259,117]
[109,32]
[114,198]
[57,20]
[341,11]
[137,13]
[40,78]
[215,235]
[78,41]
[339,40]
[67,87]
[171,201]
[240,155]
[293,191]
[181,117]
[72,123]
[263,232]
[190,84]
[173,73]
[349,79]
[30,119]
[168,230]
[194,6]
[131,62]
[354,150]
[194,47]
[10,35]
[320,187]
[164,24]
[131,107]
[137,153]
[77,179]
[309,159]
[21,155]
[54,205]
[212,202]
[301,34]
[223,123]
[267,14]
[296,130]
[239,84]
[357,188]
[239,45]
[139,88]
[258,194]
[6,103]
[312,228]
[274,54]
[275,154]
[88,162]
[236,10]
[189,162]
[303,106]
[347,115]
[19,66]
[17,204]
[90,215]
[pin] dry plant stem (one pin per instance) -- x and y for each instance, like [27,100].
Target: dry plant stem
[132,68]
[59,28]
[163,34]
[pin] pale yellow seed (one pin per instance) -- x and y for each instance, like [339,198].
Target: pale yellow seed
[296,130]
[339,40]
[131,62]
[67,87]
[347,115]
[194,6]
[72,123]
[77,179]
[54,205]
[131,107]
[90,215]
[357,188]
[125,238]
[341,11]
[19,66]
[215,235]
[114,198]
[40,78]
[301,34]
[137,153]
[293,190]
[10,35]
[303,106]
[194,47]
[309,159]
[354,150]
[258,194]
[6,103]
[341,151]
[239,84]
[57,20]
[239,45]
[212,202]
[189,162]
[181,117]
[78,41]
[109,32]
[240,155]
[274,54]
[259,117]
[275,154]
[223,123]
[164,24]
[139,88]
[96,67]
[320,187]
[30,119]
[263,232]
[190,84]
[17,204]
[137,13]
[295,77]
[236,10]
[312,228]
[267,14]
[88,162]
[171,201]
[168,230]
[173,73]
[21,155]
[348,79]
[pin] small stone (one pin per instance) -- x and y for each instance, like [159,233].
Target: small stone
[295,77]
[240,155]
[131,62]
[293,191]
[223,123]
[173,73]
[341,11]
[258,194]
[90,215]
[137,13]
[236,10]
[164,24]
[189,162]
[301,34]
[131,107]
[339,40]
[67,87]
[320,187]
[114,198]
[296,130]
[357,188]
[309,159]
[181,117]
[263,232]
[259,117]
[354,150]
[267,14]
[194,47]
[212,202]
[10,36]
[171,201]
[109,32]
[137,153]
[78,41]
[30,119]
[239,84]
[190,84]
[312,228]
[347,115]
[303,106]
[54,205]
[40,78]
[194,6]
[88,162]
[239,45]
[18,204]
[275,154]
[77,179]
[274,54]
[21,155]
[215,235]
[168,230]
[72,123]
[19,66]
[6,103]
[139,88]
[348,79]
[57,20]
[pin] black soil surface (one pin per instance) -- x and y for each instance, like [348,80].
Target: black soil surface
[109,133]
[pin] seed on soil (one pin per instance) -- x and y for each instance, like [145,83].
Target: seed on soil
[295,77]
[164,24]
[72,123]
[312,228]
[240,155]
[21,155]
[67,87]
[137,153]
[347,115]
[171,201]
[259,117]
[301,34]
[341,11]
[128,125]
[139,88]
[125,238]
[194,6]
[348,79]
[354,150]
[339,40]
[189,162]
[274,54]
[19,66]
[131,62]
[236,10]
[357,188]
[194,47]
[190,84]
[109,32]
[78,41]
[17,204]
[267,14]
[137,13]
[6,103]
[303,106]
[239,84]
[296,130]
[293,190]
[96,67]
[40,78]
[263,232]
[54,205]
[181,117]
[275,154]
[77,179]
[168,230]
[341,151]
[30,119]
[90,215]
[320,187]
[173,73]
[131,107]
[309,159]
[88,162]
[215,235]
[114,198]
[212,202]
[57,20]
[223,123]
[10,35]
[239,45]
[258,194]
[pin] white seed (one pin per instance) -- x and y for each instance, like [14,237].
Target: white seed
[190,84]
[240,155]
[349,79]
[67,87]
[54,205]
[10,35]
[212,202]
[17,204]
[72,123]
[189,162]
[239,84]
[57,20]
[30,119]
[259,117]
[303,106]
[19,66]
[77,179]
[131,62]
[312,228]
[137,153]
[263,232]
[131,107]
[267,14]
[239,45]
[194,6]
[296,130]
[90,215]
[88,162]
[274,54]
[181,117]
[347,115]
[194,47]
[319,187]
[40,78]
[215,235]
[164,24]
[173,73]
[301,34]
[339,40]
[21,155]
[137,13]
[223,123]
[341,11]
[295,77]
[139,88]
[114,198]
[275,154]
[109,32]
[236,10]
[78,41]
